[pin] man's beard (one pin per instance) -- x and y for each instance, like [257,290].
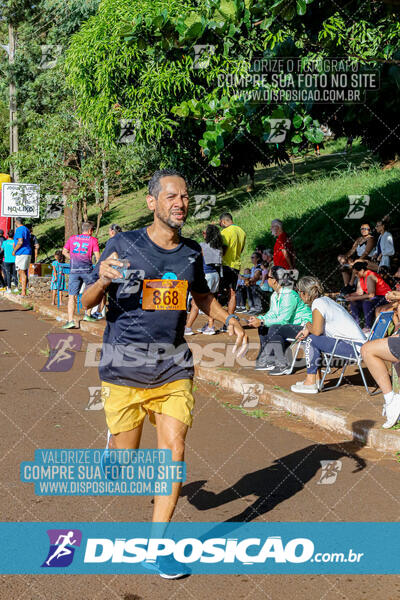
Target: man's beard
[168,221]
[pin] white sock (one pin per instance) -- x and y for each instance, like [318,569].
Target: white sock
[388,397]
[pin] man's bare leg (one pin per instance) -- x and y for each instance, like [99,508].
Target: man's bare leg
[171,435]
[126,440]
[23,277]
[71,307]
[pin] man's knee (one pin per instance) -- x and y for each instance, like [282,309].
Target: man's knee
[177,447]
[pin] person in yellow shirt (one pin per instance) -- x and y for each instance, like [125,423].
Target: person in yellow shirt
[234,239]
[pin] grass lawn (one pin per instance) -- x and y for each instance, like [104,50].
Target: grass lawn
[311,197]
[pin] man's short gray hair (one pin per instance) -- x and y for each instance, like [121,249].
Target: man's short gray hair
[277,222]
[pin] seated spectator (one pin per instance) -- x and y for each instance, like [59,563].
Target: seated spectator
[284,255]
[253,290]
[241,290]
[374,354]
[384,246]
[362,248]
[371,291]
[263,283]
[393,305]
[267,256]
[329,321]
[285,318]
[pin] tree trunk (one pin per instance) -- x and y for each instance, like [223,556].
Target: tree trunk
[85,209]
[71,214]
[105,184]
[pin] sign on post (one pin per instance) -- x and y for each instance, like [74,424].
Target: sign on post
[20,200]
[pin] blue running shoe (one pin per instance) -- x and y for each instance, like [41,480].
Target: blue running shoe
[167,567]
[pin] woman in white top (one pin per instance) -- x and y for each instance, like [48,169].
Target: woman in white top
[329,322]
[384,247]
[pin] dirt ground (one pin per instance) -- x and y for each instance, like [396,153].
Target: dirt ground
[228,450]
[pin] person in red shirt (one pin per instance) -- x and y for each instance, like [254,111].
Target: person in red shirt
[371,291]
[283,249]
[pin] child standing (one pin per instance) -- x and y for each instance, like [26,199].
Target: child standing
[241,290]
[9,262]
[58,277]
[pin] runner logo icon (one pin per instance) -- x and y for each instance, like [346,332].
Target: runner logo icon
[62,547]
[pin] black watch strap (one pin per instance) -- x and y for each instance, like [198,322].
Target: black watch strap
[229,317]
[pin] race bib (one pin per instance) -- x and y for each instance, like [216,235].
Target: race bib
[164,294]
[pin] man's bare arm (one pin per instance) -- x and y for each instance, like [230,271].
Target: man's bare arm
[208,304]
[94,294]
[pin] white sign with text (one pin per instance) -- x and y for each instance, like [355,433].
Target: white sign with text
[20,200]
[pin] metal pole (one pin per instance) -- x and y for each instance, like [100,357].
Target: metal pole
[13,101]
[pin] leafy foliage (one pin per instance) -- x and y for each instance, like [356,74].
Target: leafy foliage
[140,61]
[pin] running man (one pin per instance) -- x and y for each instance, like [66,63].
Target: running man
[146,315]
[79,250]
[62,549]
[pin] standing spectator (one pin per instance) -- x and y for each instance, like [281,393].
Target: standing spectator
[9,262]
[212,262]
[283,250]
[34,245]
[99,312]
[112,231]
[384,247]
[233,239]
[58,278]
[2,239]
[370,294]
[22,252]
[361,249]
[79,250]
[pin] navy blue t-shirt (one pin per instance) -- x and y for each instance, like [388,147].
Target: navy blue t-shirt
[147,348]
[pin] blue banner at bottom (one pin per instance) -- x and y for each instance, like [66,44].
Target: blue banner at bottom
[208,548]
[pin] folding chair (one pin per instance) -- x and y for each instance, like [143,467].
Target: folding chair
[377,332]
[62,269]
[298,344]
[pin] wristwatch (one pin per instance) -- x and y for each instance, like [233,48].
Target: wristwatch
[229,317]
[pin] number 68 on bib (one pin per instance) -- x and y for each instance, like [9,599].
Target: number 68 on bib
[164,294]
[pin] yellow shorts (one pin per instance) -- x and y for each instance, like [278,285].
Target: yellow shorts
[126,407]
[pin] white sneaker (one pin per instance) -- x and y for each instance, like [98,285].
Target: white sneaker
[392,412]
[301,388]
[8,291]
